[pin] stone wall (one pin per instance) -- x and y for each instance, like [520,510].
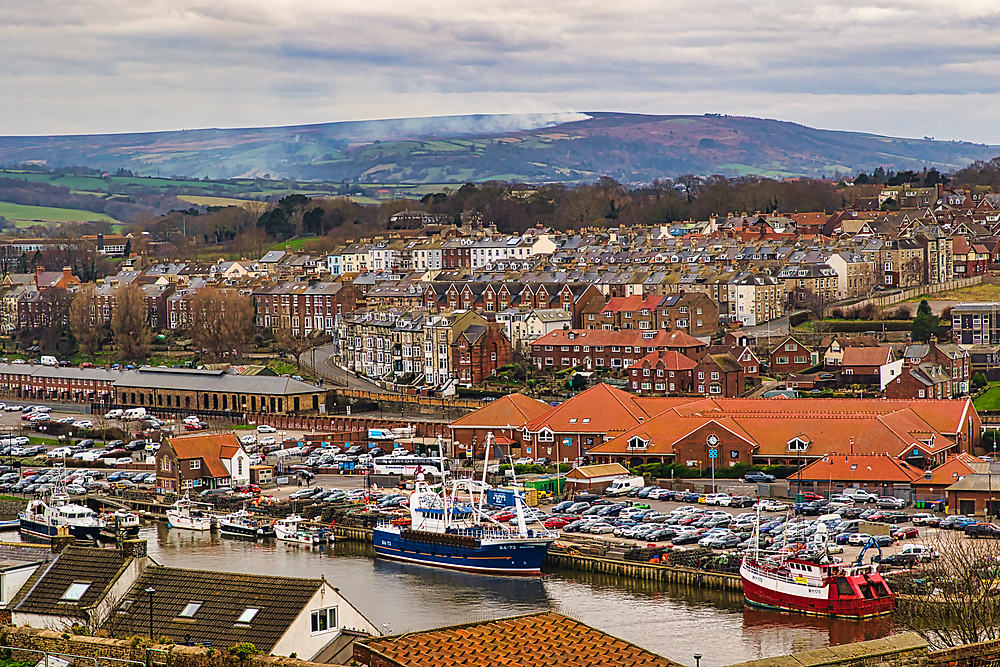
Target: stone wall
[11,507]
[138,649]
[902,650]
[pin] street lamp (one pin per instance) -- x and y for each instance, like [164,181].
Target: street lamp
[150,592]
[697,660]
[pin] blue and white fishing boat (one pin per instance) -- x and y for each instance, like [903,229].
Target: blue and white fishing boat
[447,532]
[43,518]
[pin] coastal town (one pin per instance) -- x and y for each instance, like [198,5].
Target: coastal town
[724,404]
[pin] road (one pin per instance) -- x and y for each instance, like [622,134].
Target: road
[327,367]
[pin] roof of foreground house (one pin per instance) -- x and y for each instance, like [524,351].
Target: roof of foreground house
[535,640]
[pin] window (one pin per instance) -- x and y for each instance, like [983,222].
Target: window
[715,375]
[645,385]
[76,591]
[734,454]
[701,375]
[247,615]
[573,420]
[196,464]
[324,619]
[166,464]
[191,609]
[790,347]
[781,360]
[802,360]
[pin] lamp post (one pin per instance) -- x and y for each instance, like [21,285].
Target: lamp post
[150,592]
[697,660]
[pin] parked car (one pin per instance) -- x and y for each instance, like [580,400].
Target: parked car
[905,533]
[890,503]
[756,477]
[264,428]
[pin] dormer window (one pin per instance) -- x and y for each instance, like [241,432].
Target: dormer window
[635,442]
[798,444]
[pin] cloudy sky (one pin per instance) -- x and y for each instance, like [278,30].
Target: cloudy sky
[900,67]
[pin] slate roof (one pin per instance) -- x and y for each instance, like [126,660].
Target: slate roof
[43,592]
[185,379]
[536,640]
[224,597]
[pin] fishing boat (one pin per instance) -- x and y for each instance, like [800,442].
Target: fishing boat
[241,522]
[290,529]
[811,582]
[120,525]
[447,531]
[185,513]
[43,518]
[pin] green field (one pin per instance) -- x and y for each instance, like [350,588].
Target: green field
[26,216]
[990,399]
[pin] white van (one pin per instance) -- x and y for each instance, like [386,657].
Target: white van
[134,413]
[48,361]
[114,414]
[622,485]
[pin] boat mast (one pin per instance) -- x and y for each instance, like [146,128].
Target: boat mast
[486,457]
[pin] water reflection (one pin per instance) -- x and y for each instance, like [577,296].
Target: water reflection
[672,620]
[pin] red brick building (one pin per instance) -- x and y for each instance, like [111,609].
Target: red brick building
[304,308]
[924,381]
[663,372]
[456,254]
[598,348]
[791,356]
[478,351]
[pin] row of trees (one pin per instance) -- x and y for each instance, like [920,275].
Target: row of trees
[220,322]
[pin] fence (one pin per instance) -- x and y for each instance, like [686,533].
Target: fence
[909,293]
[413,399]
[424,429]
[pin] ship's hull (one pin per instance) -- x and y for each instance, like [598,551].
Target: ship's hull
[245,530]
[188,523]
[303,538]
[760,591]
[45,531]
[522,557]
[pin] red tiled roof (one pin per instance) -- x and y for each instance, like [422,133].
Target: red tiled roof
[512,409]
[860,468]
[606,409]
[622,337]
[208,448]
[669,360]
[875,426]
[537,640]
[954,468]
[867,356]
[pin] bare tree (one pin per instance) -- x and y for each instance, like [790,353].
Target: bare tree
[83,320]
[221,321]
[292,343]
[252,243]
[128,323]
[954,599]
[912,272]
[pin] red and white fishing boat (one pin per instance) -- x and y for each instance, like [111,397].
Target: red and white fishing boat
[814,583]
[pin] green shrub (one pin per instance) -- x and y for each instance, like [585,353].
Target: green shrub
[243,651]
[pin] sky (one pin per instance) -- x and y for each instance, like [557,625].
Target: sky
[911,68]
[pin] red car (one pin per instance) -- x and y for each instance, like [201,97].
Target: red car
[905,533]
[809,495]
[557,522]
[193,426]
[503,516]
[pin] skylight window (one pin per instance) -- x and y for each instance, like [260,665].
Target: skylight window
[573,420]
[247,615]
[190,610]
[76,591]
[586,420]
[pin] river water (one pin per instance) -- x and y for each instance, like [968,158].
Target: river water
[674,621]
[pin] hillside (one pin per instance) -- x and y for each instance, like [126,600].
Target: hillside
[534,148]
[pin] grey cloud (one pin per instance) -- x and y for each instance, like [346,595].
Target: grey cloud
[107,65]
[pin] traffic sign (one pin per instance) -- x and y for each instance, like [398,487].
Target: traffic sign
[713,453]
